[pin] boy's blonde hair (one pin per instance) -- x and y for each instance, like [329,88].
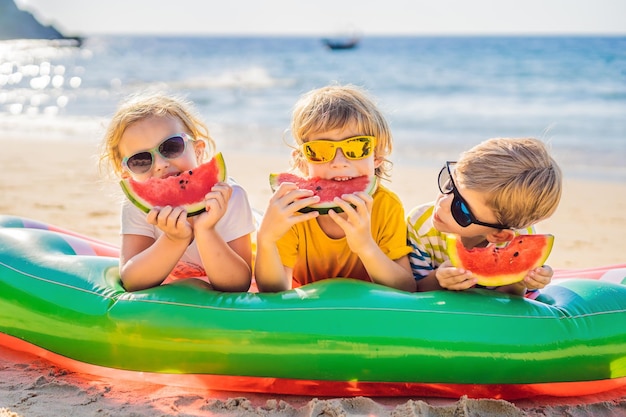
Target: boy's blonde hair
[142,106]
[522,182]
[334,107]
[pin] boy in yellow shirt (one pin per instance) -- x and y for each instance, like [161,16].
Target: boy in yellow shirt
[340,135]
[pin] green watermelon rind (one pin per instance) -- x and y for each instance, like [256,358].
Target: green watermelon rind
[454,245]
[192,209]
[324,208]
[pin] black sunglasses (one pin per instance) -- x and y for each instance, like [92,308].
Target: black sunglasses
[170,148]
[460,209]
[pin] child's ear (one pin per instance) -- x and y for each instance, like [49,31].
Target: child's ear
[504,235]
[298,161]
[198,148]
[378,162]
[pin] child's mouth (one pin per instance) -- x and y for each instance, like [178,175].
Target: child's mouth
[170,174]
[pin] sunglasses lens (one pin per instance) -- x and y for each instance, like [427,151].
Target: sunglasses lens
[140,163]
[460,212]
[172,148]
[357,148]
[319,151]
[325,150]
[445,182]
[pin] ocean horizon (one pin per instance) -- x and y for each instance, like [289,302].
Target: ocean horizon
[440,94]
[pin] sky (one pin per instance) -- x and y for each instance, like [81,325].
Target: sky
[325,17]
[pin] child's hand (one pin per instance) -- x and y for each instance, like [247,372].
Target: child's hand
[216,204]
[453,278]
[172,221]
[538,277]
[282,211]
[356,223]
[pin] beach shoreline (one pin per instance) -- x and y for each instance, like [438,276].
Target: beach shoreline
[58,182]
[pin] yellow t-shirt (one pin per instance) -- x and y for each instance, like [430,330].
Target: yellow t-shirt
[314,256]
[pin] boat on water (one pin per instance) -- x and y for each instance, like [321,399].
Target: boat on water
[341,43]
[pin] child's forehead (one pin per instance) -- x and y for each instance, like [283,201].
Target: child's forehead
[335,134]
[327,126]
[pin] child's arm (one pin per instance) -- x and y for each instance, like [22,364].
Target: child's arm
[357,227]
[422,256]
[429,282]
[392,273]
[270,273]
[227,265]
[280,215]
[145,262]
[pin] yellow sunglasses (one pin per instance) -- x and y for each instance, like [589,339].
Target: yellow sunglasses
[323,150]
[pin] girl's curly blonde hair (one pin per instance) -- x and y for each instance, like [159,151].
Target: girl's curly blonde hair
[142,106]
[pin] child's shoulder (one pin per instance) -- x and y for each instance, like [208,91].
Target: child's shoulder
[239,197]
[421,213]
[420,220]
[385,195]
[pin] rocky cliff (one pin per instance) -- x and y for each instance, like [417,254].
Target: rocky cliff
[20,24]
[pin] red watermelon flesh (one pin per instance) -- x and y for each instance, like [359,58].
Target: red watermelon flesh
[326,189]
[186,189]
[496,266]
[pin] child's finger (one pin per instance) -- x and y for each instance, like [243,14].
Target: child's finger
[295,205]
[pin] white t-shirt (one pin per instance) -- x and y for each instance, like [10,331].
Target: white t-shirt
[237,221]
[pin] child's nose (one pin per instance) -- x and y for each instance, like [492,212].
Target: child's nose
[445,199]
[159,162]
[340,158]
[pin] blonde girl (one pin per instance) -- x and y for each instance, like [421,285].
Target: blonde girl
[155,135]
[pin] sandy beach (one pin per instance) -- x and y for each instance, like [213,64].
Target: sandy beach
[58,182]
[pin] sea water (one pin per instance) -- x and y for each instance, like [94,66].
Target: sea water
[441,95]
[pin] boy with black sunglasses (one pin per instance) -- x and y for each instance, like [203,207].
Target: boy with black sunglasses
[496,190]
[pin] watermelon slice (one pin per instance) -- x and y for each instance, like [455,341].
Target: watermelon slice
[494,266]
[327,190]
[185,189]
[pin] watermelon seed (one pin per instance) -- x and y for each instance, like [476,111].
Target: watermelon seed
[318,188]
[190,172]
[513,258]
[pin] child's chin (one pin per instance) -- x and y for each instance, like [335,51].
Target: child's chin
[439,225]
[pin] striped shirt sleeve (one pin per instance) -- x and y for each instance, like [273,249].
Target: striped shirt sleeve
[427,244]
